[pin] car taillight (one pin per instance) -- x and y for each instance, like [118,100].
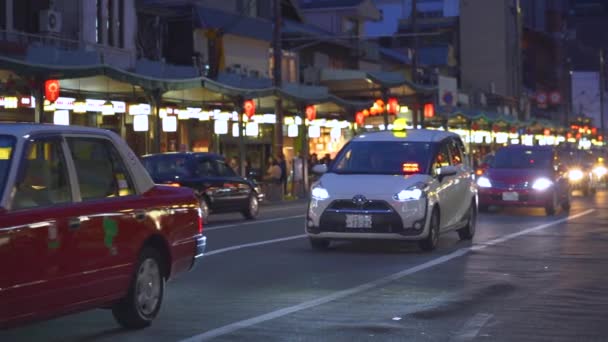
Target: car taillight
[200,222]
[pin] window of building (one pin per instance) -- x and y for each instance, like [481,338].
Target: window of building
[100,169]
[350,26]
[3,14]
[120,23]
[109,22]
[44,179]
[98,23]
[247,7]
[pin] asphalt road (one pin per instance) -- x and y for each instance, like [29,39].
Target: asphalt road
[525,277]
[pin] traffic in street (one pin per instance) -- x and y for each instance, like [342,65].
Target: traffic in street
[521,278]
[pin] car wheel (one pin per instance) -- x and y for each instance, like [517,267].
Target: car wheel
[430,242]
[319,244]
[550,208]
[253,207]
[468,231]
[145,296]
[204,210]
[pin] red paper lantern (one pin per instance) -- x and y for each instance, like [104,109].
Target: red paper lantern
[379,106]
[393,105]
[495,128]
[365,112]
[475,126]
[547,132]
[569,135]
[51,90]
[594,131]
[249,107]
[311,113]
[578,136]
[513,130]
[360,118]
[429,110]
[373,111]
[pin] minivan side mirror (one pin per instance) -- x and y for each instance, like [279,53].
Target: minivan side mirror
[446,171]
[319,169]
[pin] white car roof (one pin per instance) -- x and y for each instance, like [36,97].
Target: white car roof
[21,129]
[413,135]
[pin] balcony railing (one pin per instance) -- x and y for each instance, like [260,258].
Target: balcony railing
[14,42]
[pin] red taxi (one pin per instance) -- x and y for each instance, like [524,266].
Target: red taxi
[526,176]
[82,226]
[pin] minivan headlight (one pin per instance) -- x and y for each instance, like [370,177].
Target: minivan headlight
[319,193]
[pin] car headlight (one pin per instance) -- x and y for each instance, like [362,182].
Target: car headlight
[413,193]
[542,184]
[600,171]
[319,193]
[575,175]
[484,182]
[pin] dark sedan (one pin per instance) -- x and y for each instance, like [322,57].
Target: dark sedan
[217,186]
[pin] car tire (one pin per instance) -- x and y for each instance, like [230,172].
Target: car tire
[430,242]
[319,244]
[468,231]
[550,208]
[253,207]
[205,211]
[145,296]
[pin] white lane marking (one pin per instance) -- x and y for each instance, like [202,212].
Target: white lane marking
[254,244]
[230,328]
[471,328]
[253,222]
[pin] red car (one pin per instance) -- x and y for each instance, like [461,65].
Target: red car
[83,226]
[527,177]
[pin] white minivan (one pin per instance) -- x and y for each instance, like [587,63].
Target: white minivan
[394,185]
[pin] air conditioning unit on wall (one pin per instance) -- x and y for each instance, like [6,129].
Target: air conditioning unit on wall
[50,21]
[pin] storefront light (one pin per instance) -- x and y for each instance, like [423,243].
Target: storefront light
[80,105]
[289,120]
[515,141]
[140,123]
[335,133]
[235,129]
[11,102]
[298,120]
[107,108]
[61,117]
[205,116]
[269,118]
[182,114]
[292,130]
[314,131]
[162,113]
[48,106]
[252,129]
[134,109]
[220,127]
[170,124]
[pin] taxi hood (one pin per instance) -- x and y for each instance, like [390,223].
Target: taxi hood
[348,185]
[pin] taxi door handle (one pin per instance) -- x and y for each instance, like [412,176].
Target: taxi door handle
[140,215]
[74,223]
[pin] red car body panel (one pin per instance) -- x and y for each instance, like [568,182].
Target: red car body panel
[81,255]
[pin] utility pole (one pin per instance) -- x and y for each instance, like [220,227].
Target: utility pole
[414,21]
[602,80]
[277,75]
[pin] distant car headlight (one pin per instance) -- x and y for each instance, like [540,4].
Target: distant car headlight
[320,193]
[542,184]
[484,182]
[575,175]
[600,171]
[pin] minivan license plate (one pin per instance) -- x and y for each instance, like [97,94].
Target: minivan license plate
[359,221]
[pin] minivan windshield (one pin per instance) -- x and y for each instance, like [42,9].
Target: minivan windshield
[383,157]
[522,158]
[7,144]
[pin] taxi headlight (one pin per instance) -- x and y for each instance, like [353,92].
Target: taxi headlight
[542,184]
[600,171]
[319,193]
[484,182]
[575,175]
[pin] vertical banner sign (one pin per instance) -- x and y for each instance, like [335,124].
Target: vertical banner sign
[51,90]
